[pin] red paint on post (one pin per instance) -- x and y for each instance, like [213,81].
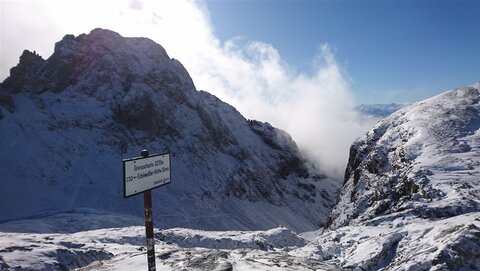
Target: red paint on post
[147,203]
[147,200]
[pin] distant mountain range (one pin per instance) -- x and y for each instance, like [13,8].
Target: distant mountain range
[379,110]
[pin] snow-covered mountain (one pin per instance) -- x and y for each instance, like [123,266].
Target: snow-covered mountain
[411,197]
[67,122]
[423,160]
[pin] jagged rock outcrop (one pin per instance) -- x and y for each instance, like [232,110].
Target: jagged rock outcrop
[70,119]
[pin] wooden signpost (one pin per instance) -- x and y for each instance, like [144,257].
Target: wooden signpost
[141,175]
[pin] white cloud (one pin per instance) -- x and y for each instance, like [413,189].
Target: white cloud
[316,109]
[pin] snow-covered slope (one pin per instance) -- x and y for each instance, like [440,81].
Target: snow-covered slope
[423,160]
[404,243]
[67,122]
[411,197]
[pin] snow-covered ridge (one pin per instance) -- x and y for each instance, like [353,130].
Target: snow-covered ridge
[67,122]
[411,197]
[423,159]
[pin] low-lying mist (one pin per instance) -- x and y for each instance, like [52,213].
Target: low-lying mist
[317,109]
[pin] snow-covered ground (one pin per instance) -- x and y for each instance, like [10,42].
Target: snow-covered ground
[406,243]
[63,241]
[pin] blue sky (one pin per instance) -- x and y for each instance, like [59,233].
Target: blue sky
[392,51]
[389,51]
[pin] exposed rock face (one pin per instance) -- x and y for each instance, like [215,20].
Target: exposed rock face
[70,119]
[23,76]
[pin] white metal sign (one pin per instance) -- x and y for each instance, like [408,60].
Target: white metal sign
[142,174]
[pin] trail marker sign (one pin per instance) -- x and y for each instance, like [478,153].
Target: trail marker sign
[145,173]
[142,174]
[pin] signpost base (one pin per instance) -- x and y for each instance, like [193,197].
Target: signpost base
[147,200]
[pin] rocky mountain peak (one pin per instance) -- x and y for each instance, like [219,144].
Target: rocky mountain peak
[93,55]
[102,97]
[23,74]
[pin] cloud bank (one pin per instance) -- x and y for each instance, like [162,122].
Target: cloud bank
[316,108]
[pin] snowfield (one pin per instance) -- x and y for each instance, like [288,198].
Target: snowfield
[62,241]
[402,244]
[36,247]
